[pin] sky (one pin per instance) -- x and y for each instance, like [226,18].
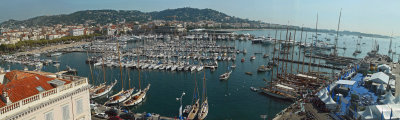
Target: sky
[367,16]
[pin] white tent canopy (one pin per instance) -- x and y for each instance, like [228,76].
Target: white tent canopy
[345,82]
[384,68]
[380,77]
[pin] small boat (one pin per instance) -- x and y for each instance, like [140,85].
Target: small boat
[253,89]
[248,73]
[225,76]
[233,66]
[263,68]
[252,57]
[242,60]
[266,55]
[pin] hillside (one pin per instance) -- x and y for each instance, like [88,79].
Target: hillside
[113,16]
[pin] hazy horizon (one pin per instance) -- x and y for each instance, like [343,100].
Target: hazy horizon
[367,16]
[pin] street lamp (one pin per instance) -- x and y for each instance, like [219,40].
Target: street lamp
[180,108]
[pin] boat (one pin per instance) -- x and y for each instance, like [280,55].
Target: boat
[123,94]
[233,66]
[136,98]
[120,96]
[266,55]
[254,89]
[252,57]
[242,60]
[194,109]
[279,91]
[225,76]
[202,114]
[244,51]
[248,73]
[103,90]
[263,68]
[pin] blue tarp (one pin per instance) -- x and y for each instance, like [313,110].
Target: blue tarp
[356,89]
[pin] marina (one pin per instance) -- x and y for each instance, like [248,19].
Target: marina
[161,61]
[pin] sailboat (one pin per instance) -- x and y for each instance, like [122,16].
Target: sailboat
[192,110]
[137,97]
[204,106]
[103,88]
[225,76]
[123,94]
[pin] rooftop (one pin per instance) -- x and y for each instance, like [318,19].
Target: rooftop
[23,84]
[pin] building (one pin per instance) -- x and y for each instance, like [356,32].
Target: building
[31,95]
[77,31]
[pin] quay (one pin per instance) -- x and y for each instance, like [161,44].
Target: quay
[312,64]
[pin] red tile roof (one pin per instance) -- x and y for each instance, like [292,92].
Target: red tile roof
[23,84]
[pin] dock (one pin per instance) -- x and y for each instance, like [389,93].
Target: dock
[312,64]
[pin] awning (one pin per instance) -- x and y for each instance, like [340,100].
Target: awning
[286,87]
[345,82]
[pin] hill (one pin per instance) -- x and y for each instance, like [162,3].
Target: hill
[114,16]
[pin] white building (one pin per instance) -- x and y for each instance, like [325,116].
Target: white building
[77,31]
[30,95]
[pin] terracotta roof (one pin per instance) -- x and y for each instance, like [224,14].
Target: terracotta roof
[23,84]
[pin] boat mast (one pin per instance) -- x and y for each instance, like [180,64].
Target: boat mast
[279,49]
[316,40]
[301,37]
[120,65]
[294,42]
[273,60]
[337,34]
[138,59]
[90,67]
[102,66]
[304,53]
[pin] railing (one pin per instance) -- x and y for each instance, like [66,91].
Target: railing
[75,82]
[49,92]
[31,99]
[10,107]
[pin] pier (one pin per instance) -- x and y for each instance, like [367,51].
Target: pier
[312,64]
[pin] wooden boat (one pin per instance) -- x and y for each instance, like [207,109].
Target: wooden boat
[204,106]
[225,76]
[263,68]
[203,110]
[248,73]
[120,96]
[194,109]
[136,98]
[103,90]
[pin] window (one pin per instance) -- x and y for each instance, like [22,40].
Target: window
[79,107]
[40,89]
[49,116]
[65,111]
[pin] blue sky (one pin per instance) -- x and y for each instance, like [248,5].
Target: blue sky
[369,16]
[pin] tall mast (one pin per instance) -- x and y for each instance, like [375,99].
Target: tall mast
[304,53]
[316,40]
[294,42]
[120,65]
[337,34]
[298,59]
[273,60]
[90,67]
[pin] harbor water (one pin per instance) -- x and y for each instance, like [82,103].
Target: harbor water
[230,99]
